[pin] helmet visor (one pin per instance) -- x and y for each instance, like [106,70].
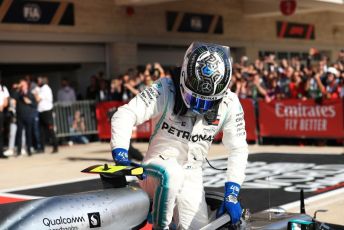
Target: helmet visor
[196,104]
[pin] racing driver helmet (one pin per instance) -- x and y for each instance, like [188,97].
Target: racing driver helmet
[205,76]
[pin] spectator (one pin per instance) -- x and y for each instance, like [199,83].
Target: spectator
[66,93]
[26,108]
[116,89]
[140,82]
[78,128]
[258,87]
[33,87]
[4,97]
[103,93]
[91,92]
[45,109]
[129,90]
[312,86]
[297,86]
[331,87]
[273,91]
[13,129]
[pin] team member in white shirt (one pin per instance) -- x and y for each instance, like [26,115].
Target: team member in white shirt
[45,109]
[4,97]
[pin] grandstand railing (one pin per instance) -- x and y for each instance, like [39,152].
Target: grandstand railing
[64,113]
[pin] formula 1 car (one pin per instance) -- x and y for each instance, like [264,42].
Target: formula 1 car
[123,206]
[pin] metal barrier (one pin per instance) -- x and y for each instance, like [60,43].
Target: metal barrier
[65,113]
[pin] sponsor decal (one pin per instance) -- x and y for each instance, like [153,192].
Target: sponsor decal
[293,118]
[210,129]
[55,223]
[304,117]
[158,85]
[37,12]
[210,98]
[295,30]
[94,219]
[185,134]
[239,121]
[32,12]
[216,122]
[194,22]
[307,111]
[289,176]
[149,95]
[177,120]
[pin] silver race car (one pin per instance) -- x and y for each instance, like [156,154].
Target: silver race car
[122,206]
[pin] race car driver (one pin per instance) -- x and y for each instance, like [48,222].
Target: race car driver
[188,111]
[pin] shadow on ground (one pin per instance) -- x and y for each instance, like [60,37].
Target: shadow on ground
[88,159]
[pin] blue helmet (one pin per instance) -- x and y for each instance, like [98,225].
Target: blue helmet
[205,75]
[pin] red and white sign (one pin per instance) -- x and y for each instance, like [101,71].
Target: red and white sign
[104,112]
[295,118]
[287,7]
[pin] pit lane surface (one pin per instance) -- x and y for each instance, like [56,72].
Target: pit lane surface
[272,179]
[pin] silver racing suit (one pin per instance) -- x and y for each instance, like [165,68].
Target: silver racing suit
[177,148]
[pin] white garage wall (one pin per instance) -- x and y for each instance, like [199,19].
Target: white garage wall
[51,53]
[165,55]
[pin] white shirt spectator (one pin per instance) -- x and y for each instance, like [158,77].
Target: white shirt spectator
[46,95]
[66,94]
[3,95]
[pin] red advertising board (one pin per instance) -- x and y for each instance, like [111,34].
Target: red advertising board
[104,112]
[144,130]
[295,118]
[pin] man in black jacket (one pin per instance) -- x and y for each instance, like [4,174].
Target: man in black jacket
[26,109]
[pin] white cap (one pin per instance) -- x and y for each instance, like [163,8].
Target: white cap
[333,70]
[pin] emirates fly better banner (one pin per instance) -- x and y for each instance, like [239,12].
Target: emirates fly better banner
[295,118]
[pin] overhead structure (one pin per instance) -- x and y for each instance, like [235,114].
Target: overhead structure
[271,8]
[261,8]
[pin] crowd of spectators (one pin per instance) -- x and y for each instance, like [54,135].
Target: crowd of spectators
[265,78]
[124,87]
[269,79]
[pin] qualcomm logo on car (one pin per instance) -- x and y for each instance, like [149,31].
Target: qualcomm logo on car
[63,221]
[94,219]
[32,12]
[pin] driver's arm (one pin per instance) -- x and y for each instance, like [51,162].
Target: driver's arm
[144,106]
[234,139]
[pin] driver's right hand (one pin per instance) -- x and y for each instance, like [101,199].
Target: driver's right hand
[120,156]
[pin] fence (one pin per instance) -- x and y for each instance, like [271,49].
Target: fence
[65,114]
[282,118]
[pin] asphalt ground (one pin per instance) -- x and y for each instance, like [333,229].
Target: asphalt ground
[274,178]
